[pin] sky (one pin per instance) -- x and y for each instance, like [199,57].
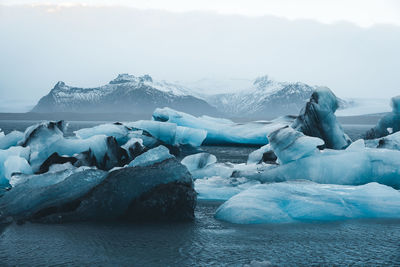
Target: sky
[349,46]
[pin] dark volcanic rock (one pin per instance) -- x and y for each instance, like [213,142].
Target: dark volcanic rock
[162,191]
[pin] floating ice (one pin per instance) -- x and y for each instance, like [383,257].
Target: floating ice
[221,188]
[391,141]
[318,119]
[13,160]
[345,167]
[263,154]
[40,135]
[221,131]
[289,145]
[53,176]
[119,131]
[134,147]
[11,139]
[170,133]
[198,161]
[389,124]
[16,164]
[154,155]
[356,145]
[307,201]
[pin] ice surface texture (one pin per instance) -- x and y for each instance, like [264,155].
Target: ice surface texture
[306,201]
[318,119]
[222,131]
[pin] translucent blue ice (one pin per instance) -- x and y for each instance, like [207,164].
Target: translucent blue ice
[306,201]
[221,188]
[11,139]
[221,131]
[345,167]
[170,133]
[118,131]
[151,157]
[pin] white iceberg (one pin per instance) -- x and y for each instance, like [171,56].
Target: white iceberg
[353,166]
[306,201]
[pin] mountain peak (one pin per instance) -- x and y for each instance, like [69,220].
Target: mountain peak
[59,85]
[262,81]
[126,78]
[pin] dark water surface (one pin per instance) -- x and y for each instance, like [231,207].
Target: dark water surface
[204,242]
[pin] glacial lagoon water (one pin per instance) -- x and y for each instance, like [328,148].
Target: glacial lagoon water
[204,242]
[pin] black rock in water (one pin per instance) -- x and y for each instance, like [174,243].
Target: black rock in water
[162,191]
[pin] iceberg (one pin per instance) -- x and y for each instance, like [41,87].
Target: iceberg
[104,150]
[198,161]
[289,145]
[117,130]
[170,133]
[11,139]
[222,131]
[263,154]
[134,147]
[344,167]
[218,188]
[13,160]
[39,135]
[306,201]
[390,123]
[154,155]
[301,160]
[391,141]
[318,119]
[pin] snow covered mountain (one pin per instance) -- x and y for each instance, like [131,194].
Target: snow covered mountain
[125,94]
[265,98]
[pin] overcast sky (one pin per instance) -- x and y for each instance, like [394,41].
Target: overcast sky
[350,46]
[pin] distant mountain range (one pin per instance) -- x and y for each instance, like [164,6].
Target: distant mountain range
[125,94]
[265,98]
